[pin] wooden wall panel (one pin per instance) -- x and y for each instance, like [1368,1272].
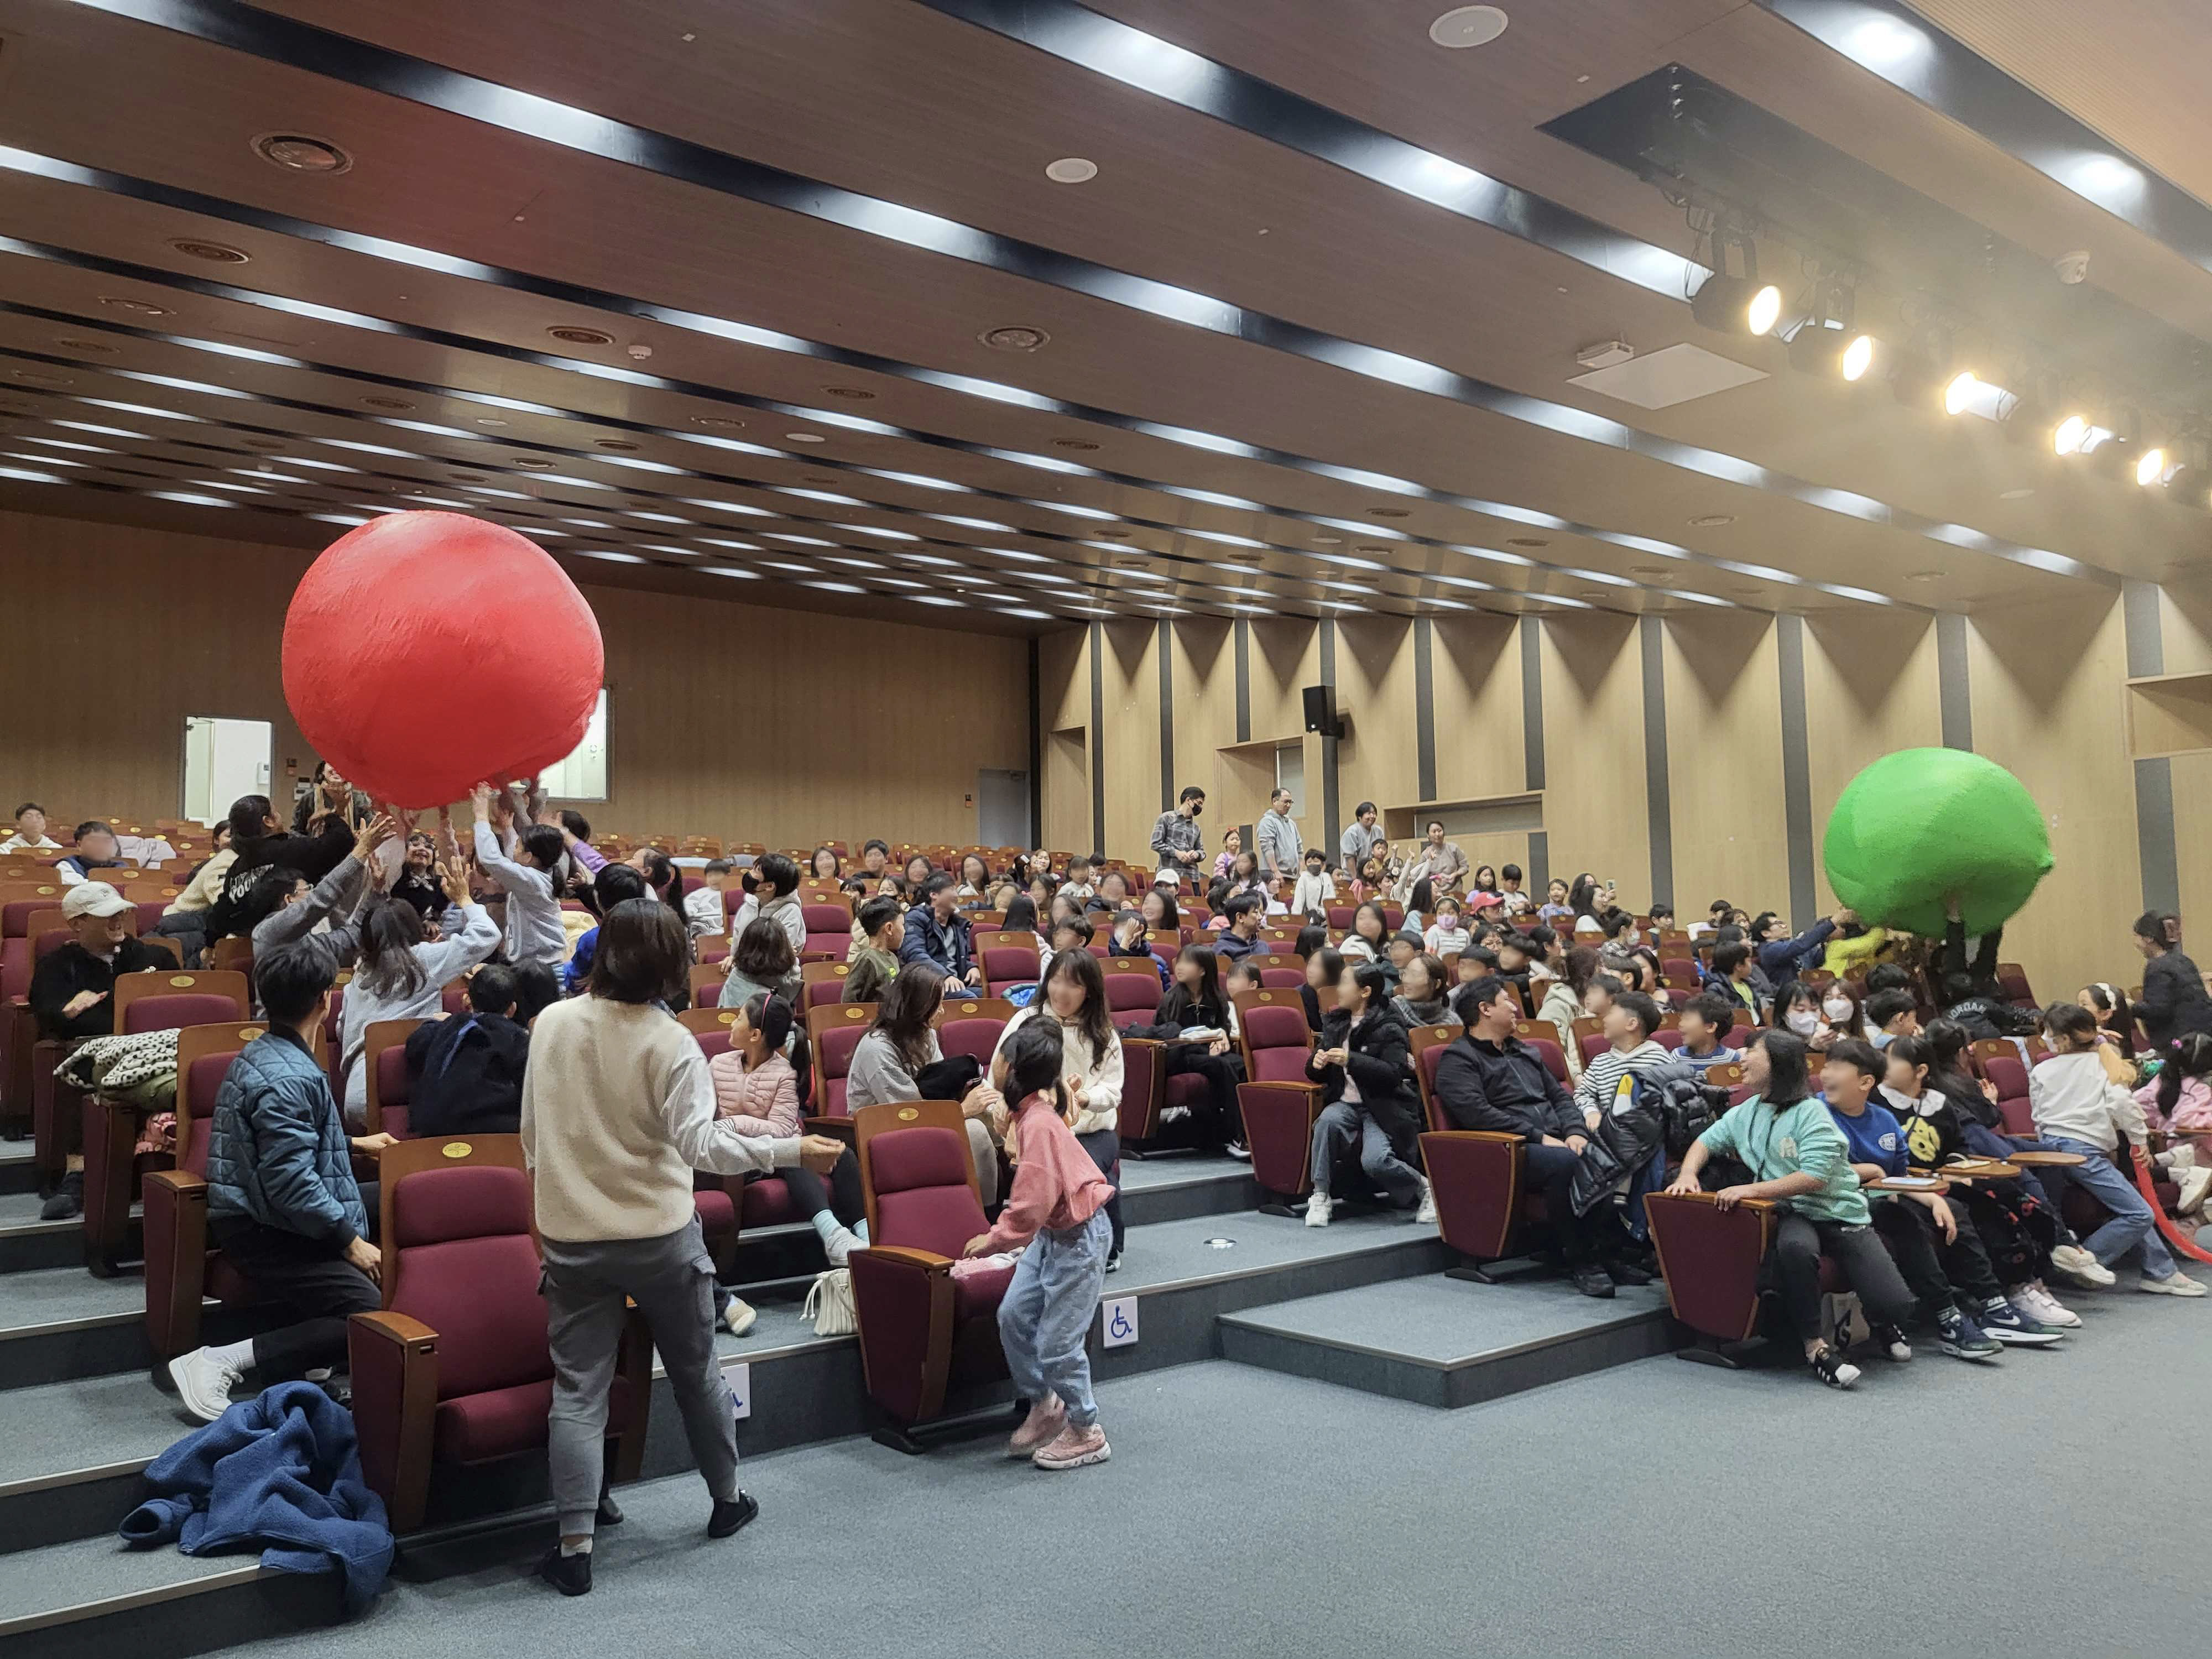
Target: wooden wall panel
[1374,686]
[1871,686]
[1724,761]
[1594,799]
[1476,662]
[2046,680]
[2185,631]
[1203,665]
[1064,706]
[726,720]
[1132,745]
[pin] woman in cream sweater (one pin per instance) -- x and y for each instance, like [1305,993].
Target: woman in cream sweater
[1073,993]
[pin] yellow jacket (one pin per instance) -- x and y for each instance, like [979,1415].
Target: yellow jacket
[1856,956]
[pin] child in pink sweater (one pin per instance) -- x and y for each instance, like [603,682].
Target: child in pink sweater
[1058,1209]
[754,1083]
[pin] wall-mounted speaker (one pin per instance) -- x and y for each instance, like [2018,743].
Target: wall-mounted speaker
[1321,711]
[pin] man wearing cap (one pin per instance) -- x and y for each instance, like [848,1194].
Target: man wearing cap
[71,993]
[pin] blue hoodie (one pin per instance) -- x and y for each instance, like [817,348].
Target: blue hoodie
[1875,1134]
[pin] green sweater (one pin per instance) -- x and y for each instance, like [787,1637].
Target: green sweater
[1801,1138]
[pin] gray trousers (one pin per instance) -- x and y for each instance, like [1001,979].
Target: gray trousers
[672,1279]
[1340,1128]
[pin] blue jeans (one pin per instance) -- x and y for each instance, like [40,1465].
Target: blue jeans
[1341,1128]
[1044,1317]
[2132,1228]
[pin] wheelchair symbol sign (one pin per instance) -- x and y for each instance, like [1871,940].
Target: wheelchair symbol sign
[1120,1314]
[739,1375]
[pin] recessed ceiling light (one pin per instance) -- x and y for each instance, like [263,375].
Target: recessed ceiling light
[99,346]
[1517,541]
[623,445]
[804,437]
[140,308]
[216,253]
[851,393]
[1924,576]
[1014,337]
[1468,25]
[1073,443]
[2014,495]
[572,334]
[716,420]
[1071,170]
[296,152]
[1327,541]
[1712,520]
[387,403]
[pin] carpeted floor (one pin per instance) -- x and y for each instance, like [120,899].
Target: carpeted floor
[1660,1509]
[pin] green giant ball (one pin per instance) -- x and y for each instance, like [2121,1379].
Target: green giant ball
[1921,823]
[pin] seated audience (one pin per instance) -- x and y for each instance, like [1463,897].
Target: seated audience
[2078,1107]
[1893,1014]
[399,976]
[30,835]
[1705,1021]
[936,934]
[1732,976]
[1797,1158]
[1128,939]
[1372,1112]
[1195,1023]
[283,1204]
[774,896]
[614,884]
[97,848]
[762,959]
[881,924]
[1632,1054]
[1368,940]
[1247,914]
[529,879]
[1423,996]
[1445,936]
[704,911]
[1073,933]
[464,1072]
[1782,957]
[1490,1079]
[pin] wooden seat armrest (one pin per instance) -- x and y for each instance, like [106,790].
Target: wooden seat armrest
[928,1260]
[1714,1198]
[402,1329]
[183,1182]
[1503,1136]
[837,1129]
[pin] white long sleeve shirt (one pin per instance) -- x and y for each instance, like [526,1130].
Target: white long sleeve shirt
[2070,1095]
[534,933]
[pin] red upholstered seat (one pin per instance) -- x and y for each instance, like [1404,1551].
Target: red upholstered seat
[766,1203]
[169,1014]
[835,1052]
[1553,1056]
[829,931]
[975,1036]
[1668,1037]
[923,1332]
[1278,1101]
[1132,998]
[1008,965]
[462,1322]
[391,1088]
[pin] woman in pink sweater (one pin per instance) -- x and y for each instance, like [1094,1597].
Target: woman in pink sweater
[1058,1209]
[753,1082]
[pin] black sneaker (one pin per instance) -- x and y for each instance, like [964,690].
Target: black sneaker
[1890,1341]
[1626,1272]
[1592,1279]
[1832,1369]
[610,1513]
[68,1199]
[569,1574]
[728,1517]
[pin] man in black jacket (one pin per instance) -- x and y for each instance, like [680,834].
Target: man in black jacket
[1490,1079]
[465,1073]
[72,993]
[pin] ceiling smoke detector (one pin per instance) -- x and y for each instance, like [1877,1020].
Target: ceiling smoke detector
[1014,337]
[2072,268]
[570,334]
[216,253]
[296,152]
[1071,170]
[1468,25]
[1604,354]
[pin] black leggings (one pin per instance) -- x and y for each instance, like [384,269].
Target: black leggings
[1942,1275]
[1218,1118]
[310,1281]
[842,1198]
[1799,1244]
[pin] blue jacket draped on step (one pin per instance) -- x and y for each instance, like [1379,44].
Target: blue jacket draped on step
[283,1471]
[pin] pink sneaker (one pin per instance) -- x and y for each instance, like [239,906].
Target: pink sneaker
[1074,1448]
[1044,1426]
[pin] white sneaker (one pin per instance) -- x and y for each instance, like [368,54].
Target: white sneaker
[1317,1209]
[1427,1215]
[738,1318]
[2077,1267]
[203,1382]
[841,1244]
[2043,1307]
[2195,1183]
[2181,1156]
[2173,1285]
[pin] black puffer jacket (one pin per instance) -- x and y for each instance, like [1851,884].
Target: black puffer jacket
[1376,1047]
[2174,1001]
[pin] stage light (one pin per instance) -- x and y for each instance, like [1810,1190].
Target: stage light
[2070,436]
[1737,304]
[1967,394]
[1839,352]
[1959,395]
[2150,467]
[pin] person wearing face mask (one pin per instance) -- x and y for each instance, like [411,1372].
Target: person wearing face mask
[1799,1008]
[1177,840]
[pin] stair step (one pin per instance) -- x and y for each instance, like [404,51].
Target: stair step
[93,1594]
[17,1173]
[26,1243]
[1447,1342]
[77,1473]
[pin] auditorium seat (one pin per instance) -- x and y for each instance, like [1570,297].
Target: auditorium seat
[1133,990]
[971,1026]
[1712,1260]
[454,1369]
[1425,1042]
[1668,1037]
[1278,1102]
[1005,966]
[833,1033]
[180,1270]
[1281,971]
[2000,1062]
[924,1336]
[1147,1090]
[822,982]
[829,923]
[2012,980]
[1544,1037]
[384,1074]
[706,983]
[1475,1174]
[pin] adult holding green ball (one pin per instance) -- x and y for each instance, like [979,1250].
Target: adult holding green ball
[1923,828]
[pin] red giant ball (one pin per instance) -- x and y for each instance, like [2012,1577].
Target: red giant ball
[425,651]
